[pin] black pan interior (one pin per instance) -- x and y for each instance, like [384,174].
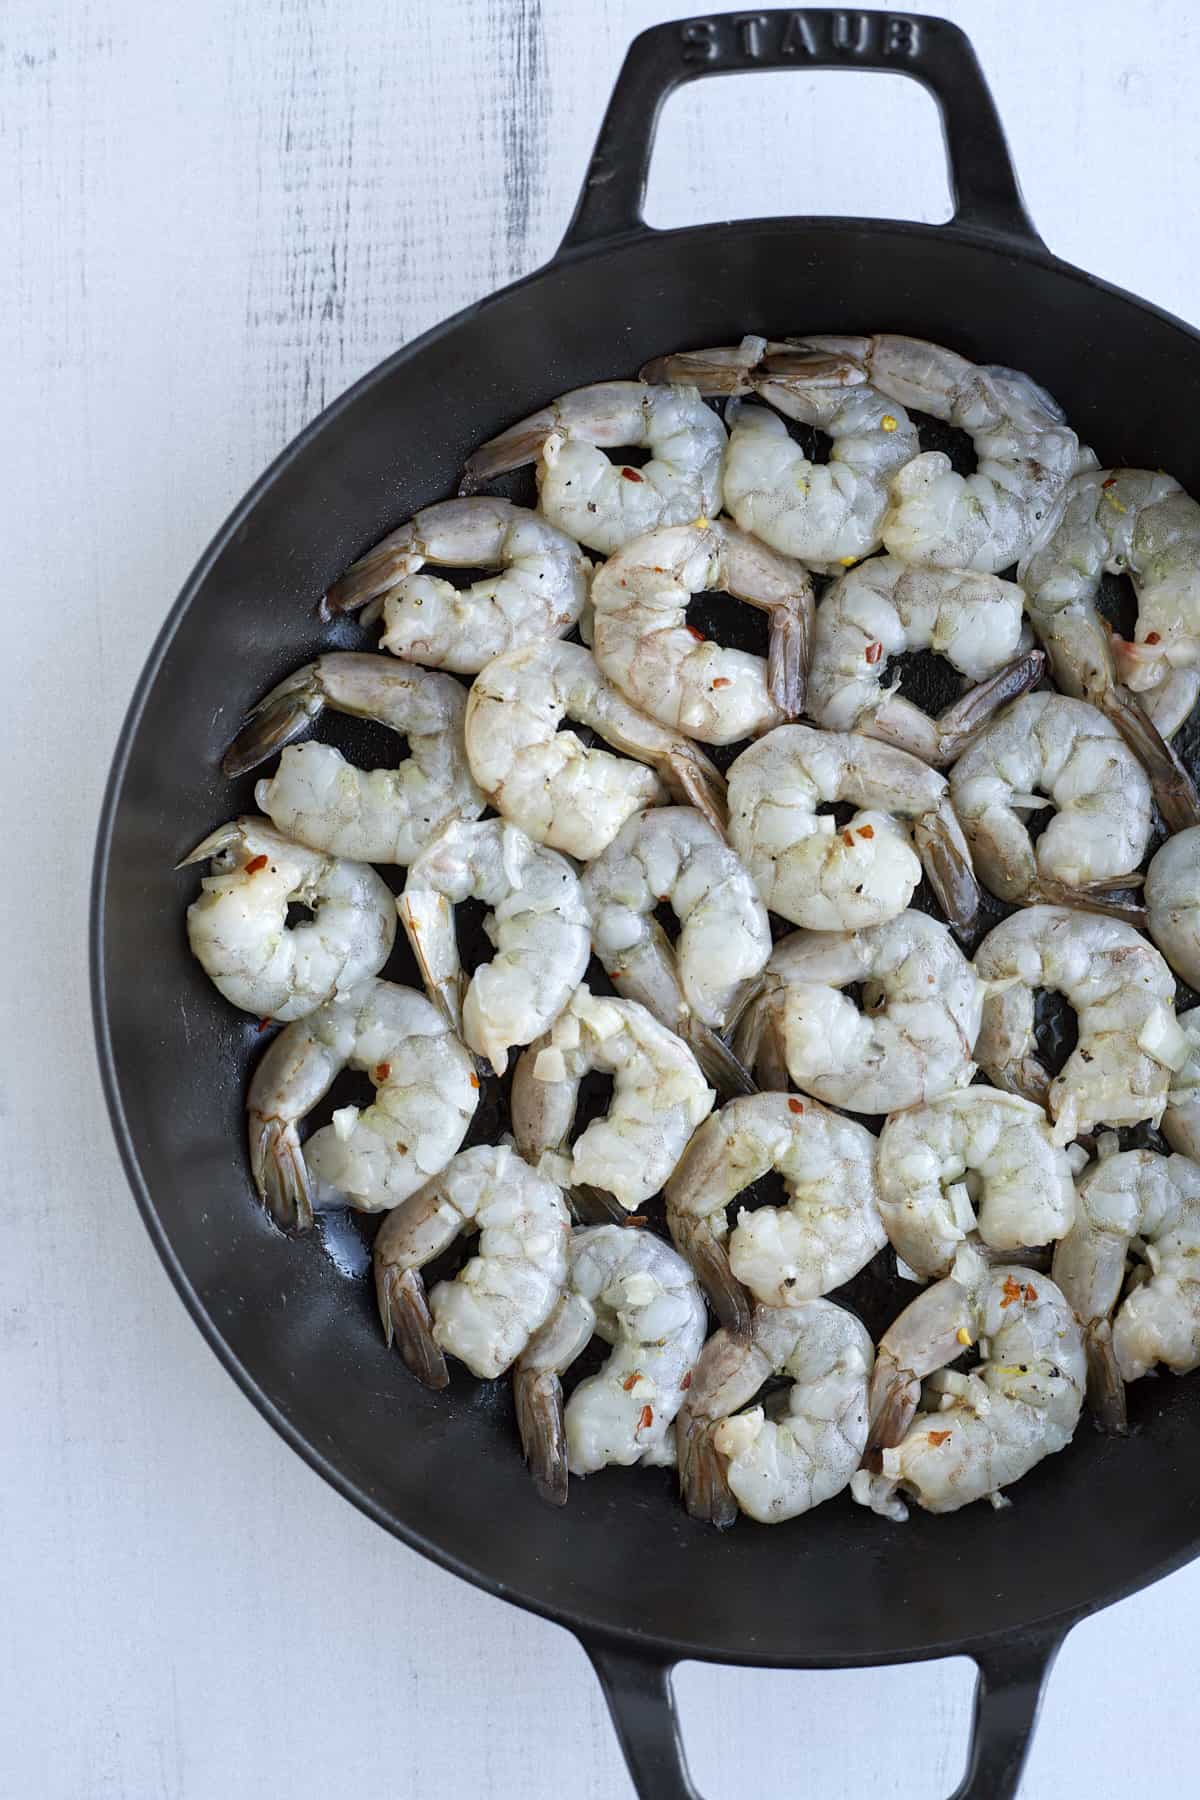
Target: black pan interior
[295,1321]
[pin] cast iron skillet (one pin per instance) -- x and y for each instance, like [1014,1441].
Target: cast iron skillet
[623,1567]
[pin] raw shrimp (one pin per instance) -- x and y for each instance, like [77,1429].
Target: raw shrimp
[376,815]
[545,781]
[238,927]
[1173,903]
[641,1297]
[885,608]
[507,1290]
[539,924]
[1124,999]
[1027,454]
[659,1098]
[426,1092]
[913,1040]
[697,986]
[825,514]
[976,1433]
[604,504]
[539,592]
[976,1165]
[643,643]
[1142,524]
[829,1229]
[1130,1196]
[1181,1120]
[830,878]
[1046,750]
[779,1460]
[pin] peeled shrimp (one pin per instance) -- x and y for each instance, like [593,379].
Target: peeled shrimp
[641,1297]
[825,514]
[976,1165]
[643,643]
[545,780]
[922,1003]
[539,592]
[1045,750]
[775,1461]
[1124,999]
[829,1229]
[1181,1120]
[539,924]
[426,1092]
[1173,903]
[828,878]
[604,504]
[509,1288]
[1027,453]
[659,1098]
[376,815]
[977,1433]
[238,927]
[695,987]
[885,608]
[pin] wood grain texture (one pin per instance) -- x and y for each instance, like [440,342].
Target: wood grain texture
[217,217]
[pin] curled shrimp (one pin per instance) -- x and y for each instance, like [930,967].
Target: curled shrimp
[825,514]
[829,1229]
[1123,995]
[539,923]
[604,504]
[778,1460]
[1027,453]
[1048,751]
[1126,1197]
[539,592]
[829,878]
[922,1003]
[1173,903]
[641,1297]
[977,1433]
[426,1092]
[886,608]
[545,780]
[643,643]
[659,1098]
[974,1166]
[1142,524]
[1181,1119]
[376,815]
[697,986]
[238,927]
[503,1294]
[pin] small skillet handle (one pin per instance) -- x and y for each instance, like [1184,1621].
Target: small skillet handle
[934,52]
[1008,1696]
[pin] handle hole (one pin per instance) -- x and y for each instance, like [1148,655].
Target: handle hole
[836,142]
[896,1734]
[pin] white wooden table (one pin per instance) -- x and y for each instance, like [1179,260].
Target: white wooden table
[216,217]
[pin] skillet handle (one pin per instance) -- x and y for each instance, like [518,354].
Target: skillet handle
[1008,1696]
[934,52]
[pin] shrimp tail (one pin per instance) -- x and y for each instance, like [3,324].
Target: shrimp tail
[404,1312]
[282,716]
[223,838]
[714,372]
[702,1479]
[1025,1076]
[695,1240]
[758,1043]
[718,1062]
[373,574]
[789,651]
[539,1403]
[593,1206]
[512,449]
[959,723]
[894,1397]
[1109,896]
[280,1174]
[946,860]
[1174,789]
[696,781]
[1105,1388]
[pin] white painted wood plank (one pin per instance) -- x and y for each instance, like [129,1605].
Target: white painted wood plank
[216,218]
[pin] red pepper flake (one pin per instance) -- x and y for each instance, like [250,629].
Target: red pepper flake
[631,1381]
[1030,1291]
[616,974]
[698,635]
[637,1219]
[264,1025]
[1111,482]
[1152,637]
[937,1437]
[873,652]
[724,681]
[796,1106]
[645,1418]
[687,1381]
[867,831]
[1012,1291]
[256,863]
[848,839]
[473,1079]
[382,1071]
[632,475]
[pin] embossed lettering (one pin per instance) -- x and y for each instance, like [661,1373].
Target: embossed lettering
[902,38]
[798,39]
[749,29]
[850,32]
[699,40]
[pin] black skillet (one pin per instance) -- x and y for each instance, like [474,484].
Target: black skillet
[623,1567]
